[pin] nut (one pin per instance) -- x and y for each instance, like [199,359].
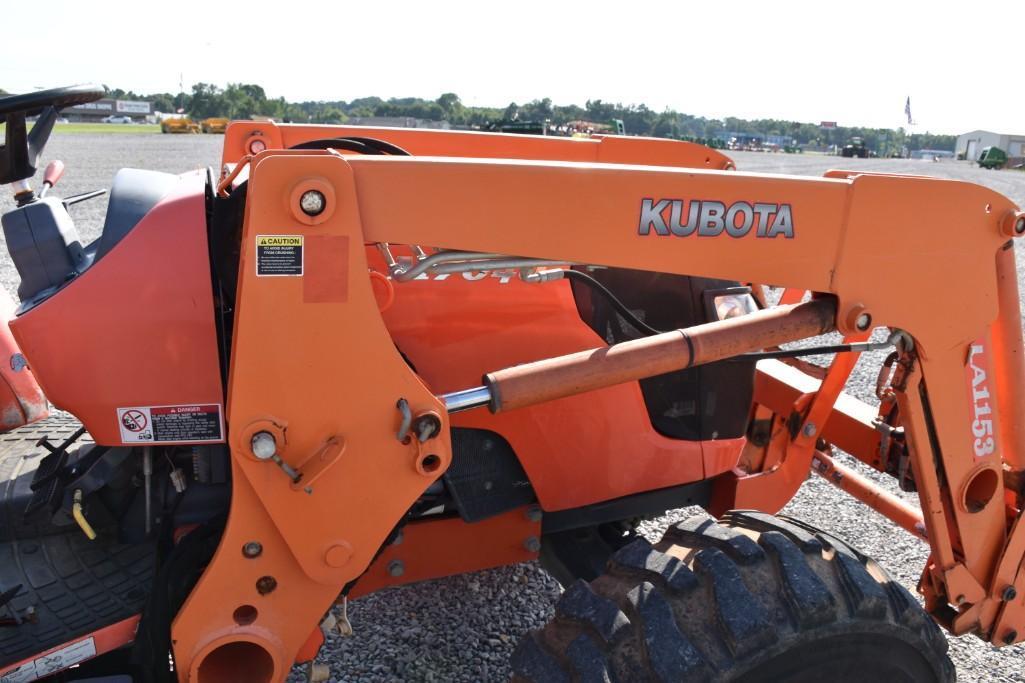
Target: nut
[532,544]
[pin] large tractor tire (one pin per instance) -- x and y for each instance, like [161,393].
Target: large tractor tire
[751,598]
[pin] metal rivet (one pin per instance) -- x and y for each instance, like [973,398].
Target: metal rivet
[1009,594]
[532,544]
[252,549]
[264,445]
[534,513]
[312,202]
[396,568]
[810,429]
[266,584]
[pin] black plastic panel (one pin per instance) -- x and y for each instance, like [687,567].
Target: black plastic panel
[485,478]
[707,402]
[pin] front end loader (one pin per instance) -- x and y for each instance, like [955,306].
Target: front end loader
[353,358]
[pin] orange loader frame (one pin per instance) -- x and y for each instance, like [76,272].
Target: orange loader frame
[928,258]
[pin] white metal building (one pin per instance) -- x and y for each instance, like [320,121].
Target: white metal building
[971,144]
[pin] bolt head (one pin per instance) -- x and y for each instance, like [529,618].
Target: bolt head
[809,429]
[252,549]
[264,445]
[312,202]
[396,568]
[1009,594]
[532,544]
[534,513]
[1019,225]
[266,584]
[1010,637]
[863,321]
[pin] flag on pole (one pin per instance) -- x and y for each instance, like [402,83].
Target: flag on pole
[907,110]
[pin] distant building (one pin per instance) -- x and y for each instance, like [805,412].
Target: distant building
[971,144]
[740,138]
[95,111]
[932,154]
[396,122]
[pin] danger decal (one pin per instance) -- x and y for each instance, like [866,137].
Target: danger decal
[171,424]
[684,218]
[52,662]
[977,371]
[279,255]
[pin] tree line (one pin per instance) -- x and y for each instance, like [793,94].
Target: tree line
[244,100]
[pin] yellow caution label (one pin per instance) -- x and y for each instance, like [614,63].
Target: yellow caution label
[279,255]
[279,241]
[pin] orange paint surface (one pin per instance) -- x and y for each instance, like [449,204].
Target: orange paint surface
[142,321]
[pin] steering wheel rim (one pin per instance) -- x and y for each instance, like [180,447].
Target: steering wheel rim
[58,98]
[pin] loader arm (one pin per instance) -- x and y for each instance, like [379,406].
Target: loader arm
[314,370]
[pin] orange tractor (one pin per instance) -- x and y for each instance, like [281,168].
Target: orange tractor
[351,358]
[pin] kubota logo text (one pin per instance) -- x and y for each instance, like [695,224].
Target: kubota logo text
[982,424]
[710,218]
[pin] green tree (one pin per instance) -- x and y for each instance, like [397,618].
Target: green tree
[207,100]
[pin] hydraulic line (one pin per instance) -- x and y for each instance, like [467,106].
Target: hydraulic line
[642,326]
[79,516]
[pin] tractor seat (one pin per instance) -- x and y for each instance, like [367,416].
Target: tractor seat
[133,194]
[44,242]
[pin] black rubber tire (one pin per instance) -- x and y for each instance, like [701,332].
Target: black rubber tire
[751,598]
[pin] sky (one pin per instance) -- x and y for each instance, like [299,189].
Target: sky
[852,62]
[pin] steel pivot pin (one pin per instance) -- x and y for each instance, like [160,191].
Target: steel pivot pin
[312,202]
[264,445]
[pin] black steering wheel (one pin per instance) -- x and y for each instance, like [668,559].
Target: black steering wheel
[20,152]
[33,102]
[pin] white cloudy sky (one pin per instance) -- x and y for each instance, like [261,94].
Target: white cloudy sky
[853,62]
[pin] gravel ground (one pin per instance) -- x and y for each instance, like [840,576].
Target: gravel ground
[464,628]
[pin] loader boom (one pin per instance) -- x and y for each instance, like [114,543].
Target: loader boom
[314,369]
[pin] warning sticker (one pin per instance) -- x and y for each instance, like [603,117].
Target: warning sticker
[51,663]
[279,255]
[171,424]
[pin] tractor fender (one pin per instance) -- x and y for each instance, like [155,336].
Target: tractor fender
[21,400]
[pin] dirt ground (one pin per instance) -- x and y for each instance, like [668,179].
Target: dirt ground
[464,628]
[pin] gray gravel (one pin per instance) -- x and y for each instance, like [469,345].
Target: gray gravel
[464,628]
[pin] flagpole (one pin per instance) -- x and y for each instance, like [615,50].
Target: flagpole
[910,124]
